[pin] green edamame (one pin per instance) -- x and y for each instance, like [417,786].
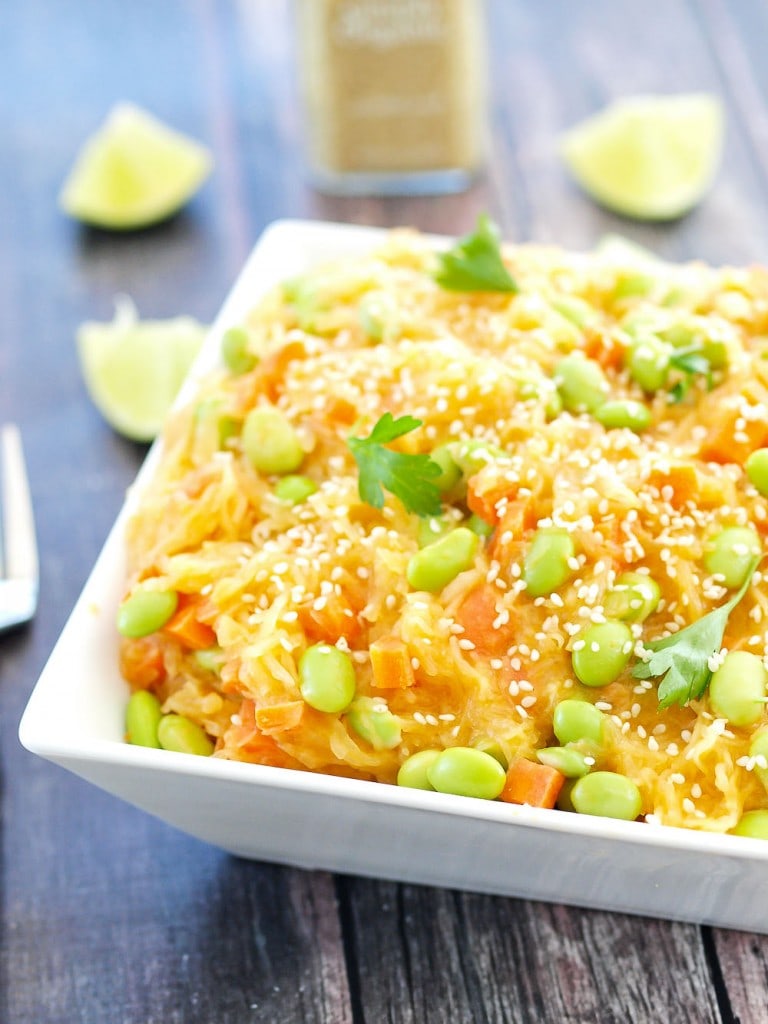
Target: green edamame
[234,351]
[758,748]
[413,771]
[142,717]
[465,771]
[569,762]
[624,413]
[731,554]
[450,474]
[601,652]
[175,732]
[432,528]
[576,720]
[581,383]
[490,746]
[478,525]
[633,597]
[737,688]
[209,658]
[436,565]
[270,442]
[377,312]
[327,678]
[648,362]
[546,567]
[608,795]
[374,722]
[294,488]
[145,611]
[757,470]
[752,825]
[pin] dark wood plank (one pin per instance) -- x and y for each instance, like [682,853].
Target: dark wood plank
[428,955]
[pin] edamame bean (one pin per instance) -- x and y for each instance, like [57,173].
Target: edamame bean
[377,311]
[608,795]
[752,825]
[142,717]
[574,309]
[327,678]
[450,473]
[757,470]
[413,771]
[570,763]
[465,771]
[737,688]
[731,554]
[648,362]
[490,746]
[435,566]
[553,403]
[576,720]
[758,749]
[234,351]
[145,611]
[294,488]
[372,720]
[432,528]
[564,801]
[478,525]
[472,456]
[633,597]
[601,652]
[581,383]
[175,732]
[209,658]
[631,285]
[546,567]
[270,442]
[624,413]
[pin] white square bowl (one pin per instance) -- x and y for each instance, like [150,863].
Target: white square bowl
[75,719]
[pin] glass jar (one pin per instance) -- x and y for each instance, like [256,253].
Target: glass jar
[394,94]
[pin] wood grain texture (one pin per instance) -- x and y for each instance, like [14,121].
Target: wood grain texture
[108,915]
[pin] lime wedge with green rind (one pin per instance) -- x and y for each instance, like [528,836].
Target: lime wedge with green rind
[133,369]
[648,157]
[135,171]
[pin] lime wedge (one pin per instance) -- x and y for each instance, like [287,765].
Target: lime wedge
[133,369]
[648,157]
[133,172]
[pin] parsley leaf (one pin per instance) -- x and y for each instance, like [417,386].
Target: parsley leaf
[474,264]
[683,658]
[408,477]
[689,361]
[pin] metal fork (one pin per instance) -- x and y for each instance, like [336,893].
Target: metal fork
[18,550]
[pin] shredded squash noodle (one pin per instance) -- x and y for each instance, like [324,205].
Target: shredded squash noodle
[587,437]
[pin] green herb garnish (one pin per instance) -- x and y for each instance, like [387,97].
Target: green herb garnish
[690,361]
[474,264]
[683,658]
[408,477]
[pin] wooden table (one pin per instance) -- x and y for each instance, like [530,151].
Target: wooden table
[108,915]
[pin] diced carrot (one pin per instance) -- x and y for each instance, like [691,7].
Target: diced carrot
[485,493]
[274,367]
[479,616]
[141,661]
[725,442]
[391,664]
[506,544]
[530,783]
[604,349]
[688,483]
[185,626]
[279,717]
[332,619]
[341,410]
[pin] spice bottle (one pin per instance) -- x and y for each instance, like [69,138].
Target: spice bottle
[394,94]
